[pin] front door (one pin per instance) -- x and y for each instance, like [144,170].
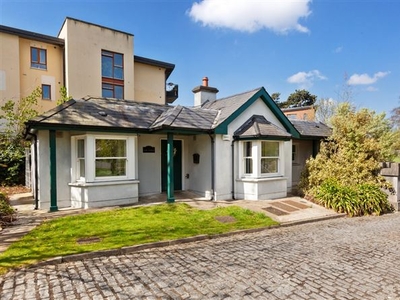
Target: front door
[177,165]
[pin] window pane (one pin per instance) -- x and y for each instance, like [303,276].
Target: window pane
[118,73]
[46,91]
[34,55]
[118,59]
[248,165]
[119,92]
[106,66]
[110,148]
[110,167]
[270,149]
[107,93]
[81,148]
[42,56]
[247,149]
[269,165]
[81,168]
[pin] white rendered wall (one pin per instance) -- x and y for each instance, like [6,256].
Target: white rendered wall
[199,174]
[267,188]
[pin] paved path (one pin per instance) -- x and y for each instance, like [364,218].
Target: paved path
[343,258]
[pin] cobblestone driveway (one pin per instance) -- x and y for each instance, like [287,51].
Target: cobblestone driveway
[355,258]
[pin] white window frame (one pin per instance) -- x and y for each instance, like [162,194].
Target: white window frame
[271,157]
[90,157]
[256,153]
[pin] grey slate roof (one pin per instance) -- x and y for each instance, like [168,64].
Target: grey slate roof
[113,113]
[311,128]
[258,126]
[229,105]
[122,115]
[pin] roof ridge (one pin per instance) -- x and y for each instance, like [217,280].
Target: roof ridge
[238,94]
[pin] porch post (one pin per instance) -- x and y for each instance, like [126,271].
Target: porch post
[53,171]
[170,168]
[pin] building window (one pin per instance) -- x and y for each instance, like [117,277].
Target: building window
[261,158]
[112,72]
[110,158]
[38,58]
[294,153]
[269,157]
[46,91]
[248,159]
[103,157]
[80,144]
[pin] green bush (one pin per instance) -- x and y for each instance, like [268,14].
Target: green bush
[358,200]
[7,212]
[12,163]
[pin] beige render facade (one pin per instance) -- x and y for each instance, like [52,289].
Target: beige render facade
[74,60]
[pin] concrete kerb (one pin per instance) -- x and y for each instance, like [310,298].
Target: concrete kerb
[197,238]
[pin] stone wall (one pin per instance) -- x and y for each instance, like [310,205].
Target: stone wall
[391,173]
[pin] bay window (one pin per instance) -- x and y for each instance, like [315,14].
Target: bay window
[261,158]
[103,157]
[110,158]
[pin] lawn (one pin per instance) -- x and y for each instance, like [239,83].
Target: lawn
[124,227]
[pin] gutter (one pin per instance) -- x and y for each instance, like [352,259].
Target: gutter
[36,173]
[212,166]
[233,168]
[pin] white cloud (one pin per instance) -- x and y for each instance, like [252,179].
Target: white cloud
[372,89]
[279,16]
[306,79]
[338,49]
[358,79]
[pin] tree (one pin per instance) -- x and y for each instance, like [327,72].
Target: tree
[12,144]
[325,108]
[63,96]
[299,98]
[16,114]
[276,97]
[351,156]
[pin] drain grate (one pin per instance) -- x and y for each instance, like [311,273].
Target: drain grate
[275,211]
[284,207]
[296,204]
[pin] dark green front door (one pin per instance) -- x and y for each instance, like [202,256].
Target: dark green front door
[177,165]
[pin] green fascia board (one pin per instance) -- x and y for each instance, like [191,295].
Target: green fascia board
[266,98]
[265,137]
[64,127]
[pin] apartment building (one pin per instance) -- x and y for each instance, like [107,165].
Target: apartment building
[87,59]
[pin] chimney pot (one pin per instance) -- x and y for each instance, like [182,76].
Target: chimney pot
[205,81]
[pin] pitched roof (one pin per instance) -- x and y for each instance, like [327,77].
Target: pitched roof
[312,128]
[125,115]
[229,105]
[257,126]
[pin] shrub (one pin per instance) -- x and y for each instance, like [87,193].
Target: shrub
[358,200]
[12,163]
[7,212]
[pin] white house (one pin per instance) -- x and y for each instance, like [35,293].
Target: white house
[96,152]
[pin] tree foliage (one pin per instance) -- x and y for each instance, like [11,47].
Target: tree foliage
[12,144]
[351,156]
[325,108]
[299,98]
[63,96]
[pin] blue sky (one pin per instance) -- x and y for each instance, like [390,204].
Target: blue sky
[282,45]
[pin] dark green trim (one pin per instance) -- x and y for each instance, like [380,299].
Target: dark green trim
[53,171]
[266,98]
[253,138]
[84,128]
[170,168]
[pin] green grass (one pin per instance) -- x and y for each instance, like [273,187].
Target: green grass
[124,227]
